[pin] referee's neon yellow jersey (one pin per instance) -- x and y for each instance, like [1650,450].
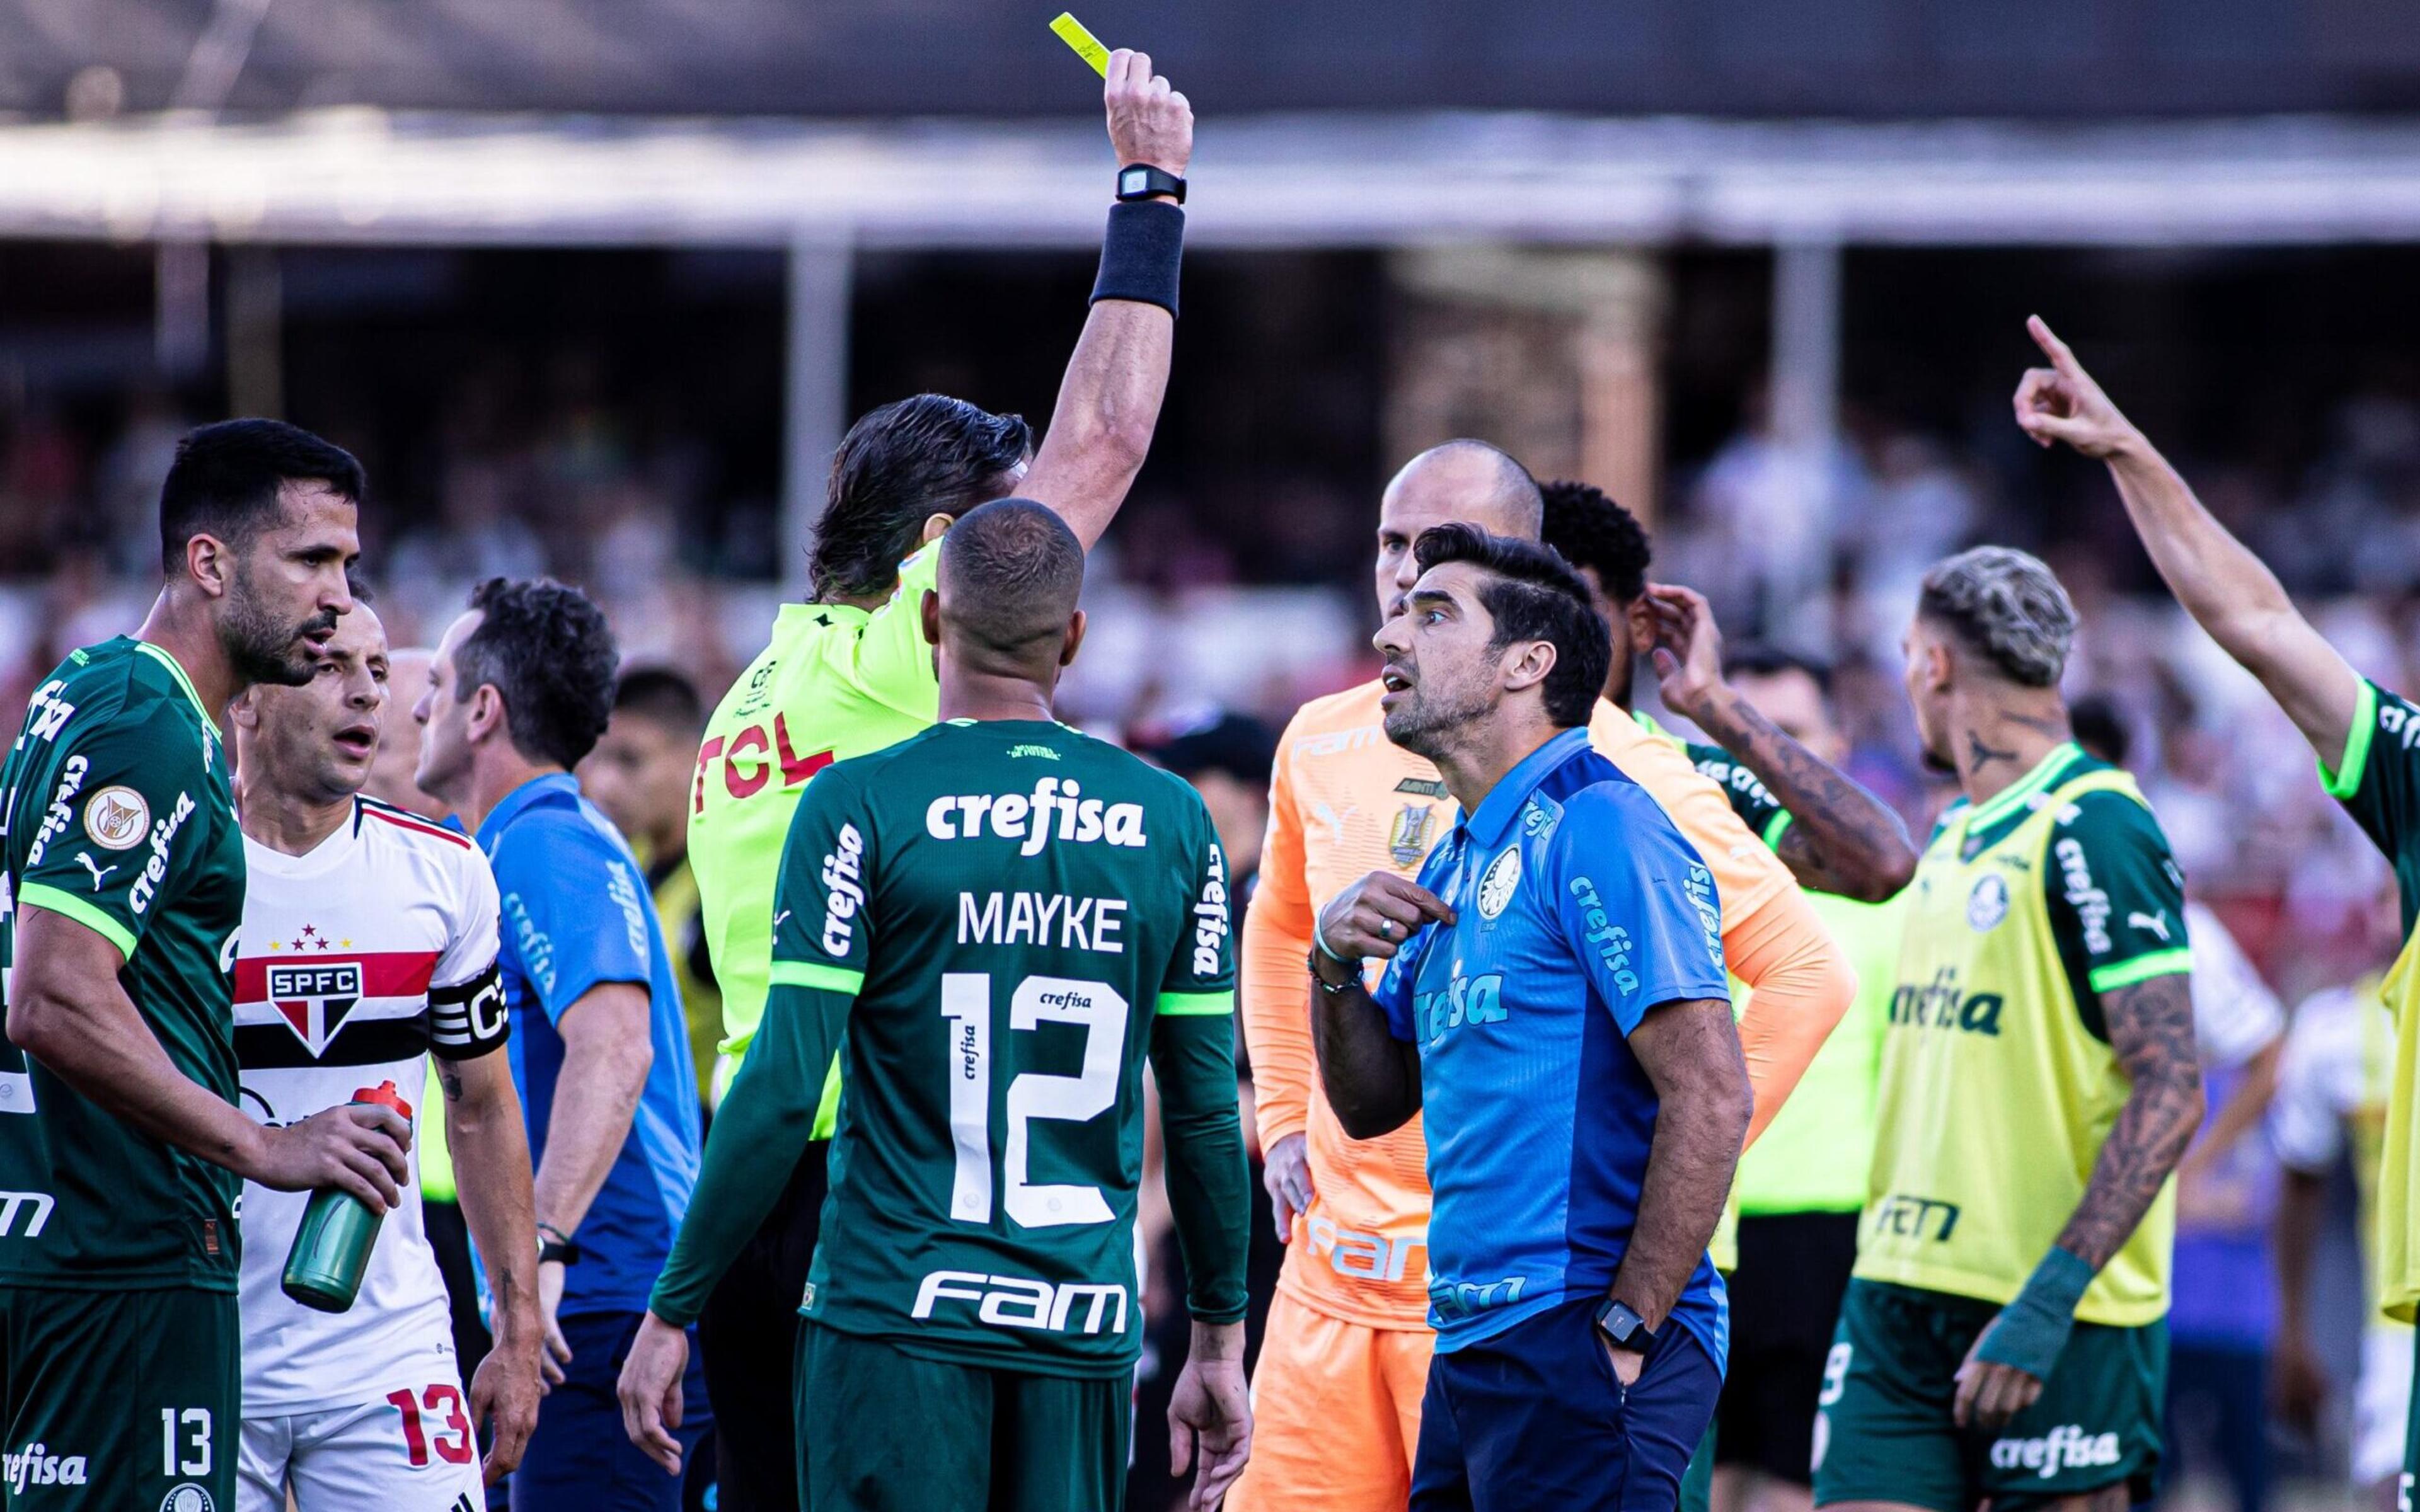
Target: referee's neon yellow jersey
[833,683]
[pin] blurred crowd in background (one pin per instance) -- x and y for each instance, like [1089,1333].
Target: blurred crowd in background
[1234,585]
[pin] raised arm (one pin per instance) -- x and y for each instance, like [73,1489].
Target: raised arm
[1841,838]
[1371,1078]
[1109,403]
[2229,592]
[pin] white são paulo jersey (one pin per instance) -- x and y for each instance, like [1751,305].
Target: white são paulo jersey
[355,960]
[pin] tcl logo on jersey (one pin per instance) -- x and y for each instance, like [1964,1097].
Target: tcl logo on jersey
[1081,821]
[841,869]
[314,999]
[747,761]
[34,1207]
[156,869]
[60,814]
[1210,918]
[1015,1301]
[38,1466]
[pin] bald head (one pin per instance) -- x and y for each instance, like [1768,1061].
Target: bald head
[1010,575]
[1462,481]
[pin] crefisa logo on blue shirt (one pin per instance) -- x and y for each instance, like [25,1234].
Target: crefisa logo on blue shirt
[1463,1000]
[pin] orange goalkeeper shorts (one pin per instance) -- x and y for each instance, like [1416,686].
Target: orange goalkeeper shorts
[1336,1415]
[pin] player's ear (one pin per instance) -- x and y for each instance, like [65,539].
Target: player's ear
[244,710]
[930,608]
[487,714]
[1640,619]
[937,526]
[1526,665]
[1074,639]
[210,563]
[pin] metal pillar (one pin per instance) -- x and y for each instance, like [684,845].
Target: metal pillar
[816,397]
[1805,399]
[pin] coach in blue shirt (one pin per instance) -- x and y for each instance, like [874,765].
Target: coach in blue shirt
[518,692]
[1554,998]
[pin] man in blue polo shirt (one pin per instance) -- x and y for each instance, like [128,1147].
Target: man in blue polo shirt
[520,690]
[1553,984]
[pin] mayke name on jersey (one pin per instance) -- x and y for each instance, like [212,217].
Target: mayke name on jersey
[1015,816]
[1028,918]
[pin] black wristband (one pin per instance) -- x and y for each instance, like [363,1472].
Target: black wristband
[1141,253]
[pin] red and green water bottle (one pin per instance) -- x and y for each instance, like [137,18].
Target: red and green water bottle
[331,1249]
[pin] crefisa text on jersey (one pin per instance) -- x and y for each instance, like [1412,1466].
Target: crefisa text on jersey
[1081,821]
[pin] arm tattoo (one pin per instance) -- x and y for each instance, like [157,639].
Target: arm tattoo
[450,1079]
[2152,1028]
[1841,838]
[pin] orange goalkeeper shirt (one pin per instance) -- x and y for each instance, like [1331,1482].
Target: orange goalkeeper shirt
[1345,801]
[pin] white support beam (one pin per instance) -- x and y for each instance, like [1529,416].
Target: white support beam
[815,399]
[356,175]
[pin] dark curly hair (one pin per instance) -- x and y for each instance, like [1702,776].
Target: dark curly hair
[1532,594]
[1591,531]
[931,455]
[546,648]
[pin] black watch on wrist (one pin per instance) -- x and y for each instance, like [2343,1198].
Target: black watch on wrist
[1140,180]
[554,1245]
[1623,1328]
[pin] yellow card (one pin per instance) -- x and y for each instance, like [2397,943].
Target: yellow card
[1087,46]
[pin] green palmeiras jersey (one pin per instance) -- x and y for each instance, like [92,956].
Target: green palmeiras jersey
[1010,919]
[119,815]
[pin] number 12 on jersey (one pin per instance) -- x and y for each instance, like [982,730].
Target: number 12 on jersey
[966,1003]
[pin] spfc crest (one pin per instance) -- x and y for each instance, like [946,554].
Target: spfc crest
[314,1000]
[1408,843]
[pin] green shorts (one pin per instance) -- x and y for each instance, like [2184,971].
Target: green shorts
[1882,1431]
[2410,1433]
[880,1430]
[119,1399]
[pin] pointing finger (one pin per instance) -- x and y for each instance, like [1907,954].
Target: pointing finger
[2051,347]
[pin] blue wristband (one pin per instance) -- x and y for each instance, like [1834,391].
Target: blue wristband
[2032,1329]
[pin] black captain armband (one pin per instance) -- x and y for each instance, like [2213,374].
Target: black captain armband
[469,1020]
[1141,253]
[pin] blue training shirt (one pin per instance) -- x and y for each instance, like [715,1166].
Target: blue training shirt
[1578,909]
[576,914]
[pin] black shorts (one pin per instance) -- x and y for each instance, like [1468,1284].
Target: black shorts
[1785,1302]
[748,1338]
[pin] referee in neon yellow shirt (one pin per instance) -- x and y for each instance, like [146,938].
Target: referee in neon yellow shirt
[851,674]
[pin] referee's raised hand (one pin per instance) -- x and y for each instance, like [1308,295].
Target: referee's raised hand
[1149,121]
[1374,917]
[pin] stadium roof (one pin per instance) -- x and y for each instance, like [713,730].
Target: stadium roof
[983,58]
[357,175]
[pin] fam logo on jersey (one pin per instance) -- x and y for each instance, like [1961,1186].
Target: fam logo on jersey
[314,1000]
[1409,840]
[1495,885]
[1987,903]
[115,818]
[38,1466]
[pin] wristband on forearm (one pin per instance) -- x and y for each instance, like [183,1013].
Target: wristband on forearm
[2032,1329]
[1141,253]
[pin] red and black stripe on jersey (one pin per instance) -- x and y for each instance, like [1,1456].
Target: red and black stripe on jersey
[361,1009]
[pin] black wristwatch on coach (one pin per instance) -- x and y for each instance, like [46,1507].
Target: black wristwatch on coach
[554,1246]
[1623,1328]
[1140,180]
